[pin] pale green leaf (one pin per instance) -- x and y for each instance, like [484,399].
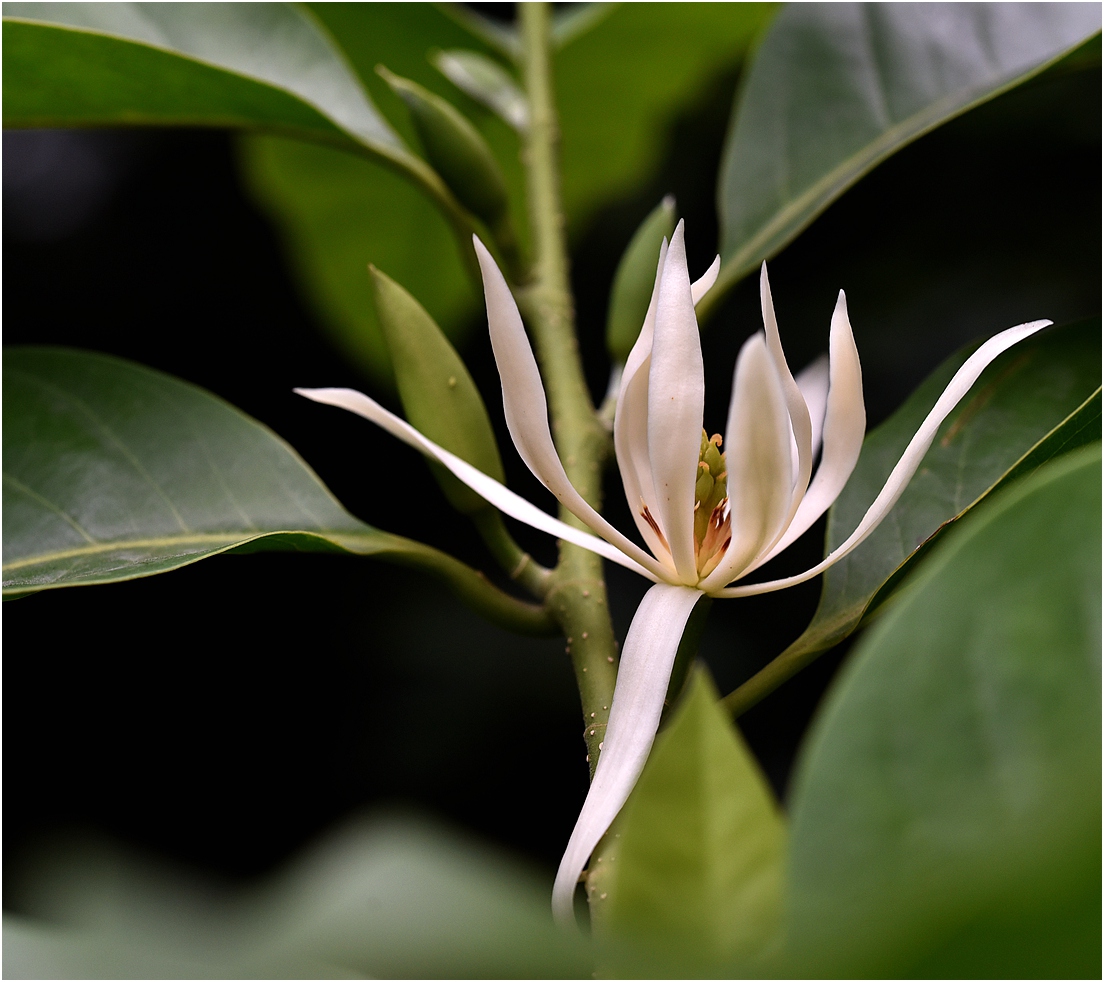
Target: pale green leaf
[696,870]
[379,899]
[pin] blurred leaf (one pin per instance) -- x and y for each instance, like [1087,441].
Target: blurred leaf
[338,213]
[946,810]
[575,20]
[438,394]
[1026,407]
[380,899]
[487,82]
[621,85]
[697,869]
[114,471]
[503,38]
[837,88]
[257,65]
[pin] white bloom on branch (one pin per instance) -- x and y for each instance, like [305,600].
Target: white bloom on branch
[707,518]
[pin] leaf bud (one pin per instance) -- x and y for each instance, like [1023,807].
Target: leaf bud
[438,394]
[455,149]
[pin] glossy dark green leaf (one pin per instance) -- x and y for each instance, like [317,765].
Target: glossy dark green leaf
[114,471]
[438,394]
[697,867]
[257,65]
[837,88]
[946,810]
[1026,407]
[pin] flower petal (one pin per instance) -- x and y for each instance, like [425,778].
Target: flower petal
[501,497]
[630,427]
[813,381]
[676,405]
[704,283]
[844,428]
[757,456]
[526,407]
[642,680]
[799,412]
[910,460]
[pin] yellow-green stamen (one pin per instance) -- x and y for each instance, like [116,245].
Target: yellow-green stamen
[711,488]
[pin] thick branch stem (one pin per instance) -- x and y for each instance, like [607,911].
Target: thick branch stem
[577,596]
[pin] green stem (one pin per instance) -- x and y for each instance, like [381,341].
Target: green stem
[769,678]
[468,584]
[577,596]
[522,568]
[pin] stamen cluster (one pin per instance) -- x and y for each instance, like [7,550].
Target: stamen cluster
[711,526]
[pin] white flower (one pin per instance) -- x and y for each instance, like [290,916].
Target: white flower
[707,519]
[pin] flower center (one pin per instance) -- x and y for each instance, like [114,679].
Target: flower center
[712,532]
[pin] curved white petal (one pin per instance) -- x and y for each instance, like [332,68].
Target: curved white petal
[704,283]
[813,382]
[914,453]
[501,497]
[844,429]
[642,679]
[630,426]
[757,456]
[799,412]
[676,405]
[526,407]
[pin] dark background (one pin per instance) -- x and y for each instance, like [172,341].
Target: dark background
[226,714]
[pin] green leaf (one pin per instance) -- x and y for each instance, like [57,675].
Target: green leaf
[837,88]
[258,65]
[438,394]
[114,471]
[946,810]
[383,898]
[1033,402]
[697,867]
